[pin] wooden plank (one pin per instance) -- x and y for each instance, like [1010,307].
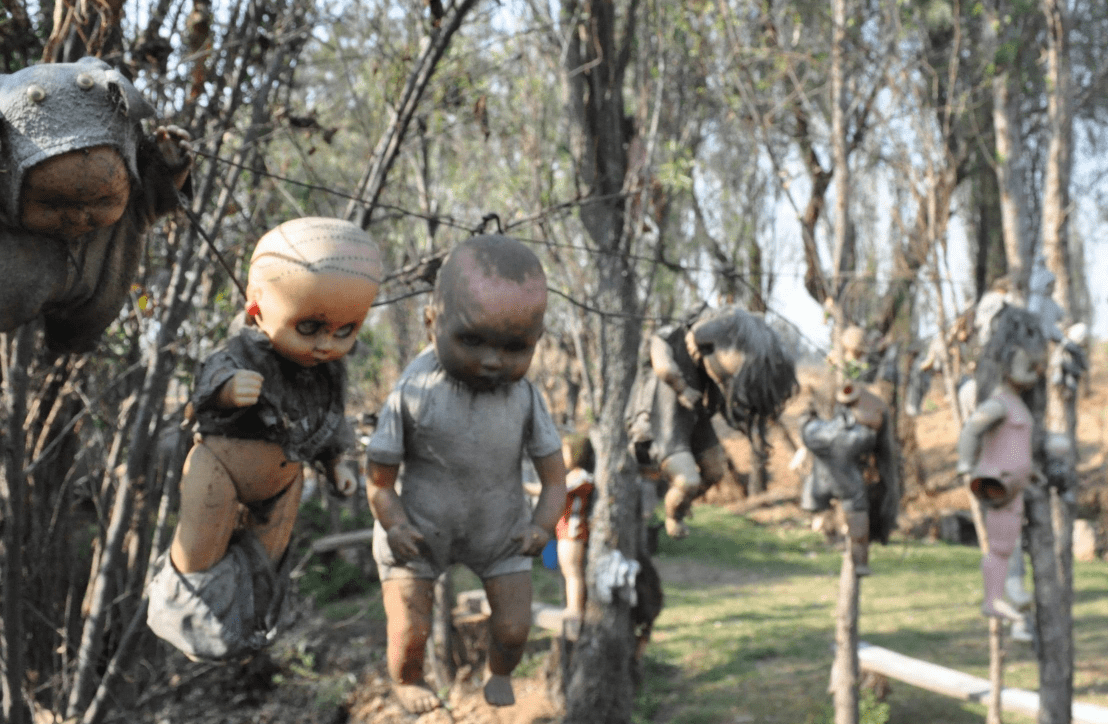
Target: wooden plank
[959,685]
[544,615]
[342,540]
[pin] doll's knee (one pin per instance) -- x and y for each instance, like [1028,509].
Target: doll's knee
[682,471]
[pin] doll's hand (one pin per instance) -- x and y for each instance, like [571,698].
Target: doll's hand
[242,390]
[175,146]
[689,397]
[343,478]
[406,542]
[532,540]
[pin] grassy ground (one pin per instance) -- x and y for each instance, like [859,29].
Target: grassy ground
[748,626]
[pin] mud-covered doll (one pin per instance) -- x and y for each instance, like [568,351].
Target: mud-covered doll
[446,462]
[81,184]
[720,361]
[997,443]
[572,530]
[853,461]
[268,401]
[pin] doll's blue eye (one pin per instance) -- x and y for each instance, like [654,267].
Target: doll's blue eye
[308,327]
[344,331]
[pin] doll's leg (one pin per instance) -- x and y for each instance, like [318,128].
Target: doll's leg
[1002,525]
[209,511]
[684,482]
[509,623]
[275,532]
[408,603]
[1013,584]
[266,481]
[571,559]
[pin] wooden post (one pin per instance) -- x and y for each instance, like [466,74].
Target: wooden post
[440,650]
[996,669]
[844,671]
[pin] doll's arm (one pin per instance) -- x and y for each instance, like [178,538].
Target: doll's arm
[988,415]
[241,390]
[552,502]
[665,367]
[404,539]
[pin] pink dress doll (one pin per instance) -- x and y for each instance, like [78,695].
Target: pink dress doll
[997,443]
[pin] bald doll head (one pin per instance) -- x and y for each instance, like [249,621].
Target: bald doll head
[310,287]
[486,315]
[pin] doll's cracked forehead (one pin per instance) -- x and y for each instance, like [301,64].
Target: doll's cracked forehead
[478,266]
[315,245]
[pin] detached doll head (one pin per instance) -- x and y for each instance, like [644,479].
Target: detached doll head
[486,315]
[311,284]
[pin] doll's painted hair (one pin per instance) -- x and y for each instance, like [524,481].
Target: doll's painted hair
[758,391]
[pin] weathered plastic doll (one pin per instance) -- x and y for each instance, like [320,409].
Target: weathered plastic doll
[572,530]
[996,446]
[81,184]
[724,360]
[445,462]
[848,449]
[269,400]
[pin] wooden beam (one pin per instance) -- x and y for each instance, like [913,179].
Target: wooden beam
[544,615]
[959,685]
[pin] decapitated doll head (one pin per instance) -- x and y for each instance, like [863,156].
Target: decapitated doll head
[487,312]
[311,283]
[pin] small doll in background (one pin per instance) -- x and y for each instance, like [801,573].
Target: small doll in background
[267,401]
[446,463]
[997,443]
[572,530]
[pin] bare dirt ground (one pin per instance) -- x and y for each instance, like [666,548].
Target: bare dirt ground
[333,672]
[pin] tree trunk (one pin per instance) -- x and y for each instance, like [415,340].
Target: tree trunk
[17,356]
[1011,158]
[844,670]
[600,686]
[996,670]
[1059,159]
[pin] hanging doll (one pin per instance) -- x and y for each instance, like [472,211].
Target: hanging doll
[572,529]
[725,361]
[997,443]
[81,184]
[854,461]
[267,401]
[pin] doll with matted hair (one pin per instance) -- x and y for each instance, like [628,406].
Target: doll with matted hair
[996,448]
[267,401]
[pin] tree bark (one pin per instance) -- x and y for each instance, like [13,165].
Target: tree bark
[600,686]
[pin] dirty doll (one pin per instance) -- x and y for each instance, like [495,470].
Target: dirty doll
[572,530]
[853,461]
[724,361]
[997,443]
[446,462]
[269,400]
[81,184]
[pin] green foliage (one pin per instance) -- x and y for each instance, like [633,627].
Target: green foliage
[870,711]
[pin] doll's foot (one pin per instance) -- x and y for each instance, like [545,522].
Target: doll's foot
[676,529]
[1001,609]
[416,698]
[498,690]
[1021,631]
